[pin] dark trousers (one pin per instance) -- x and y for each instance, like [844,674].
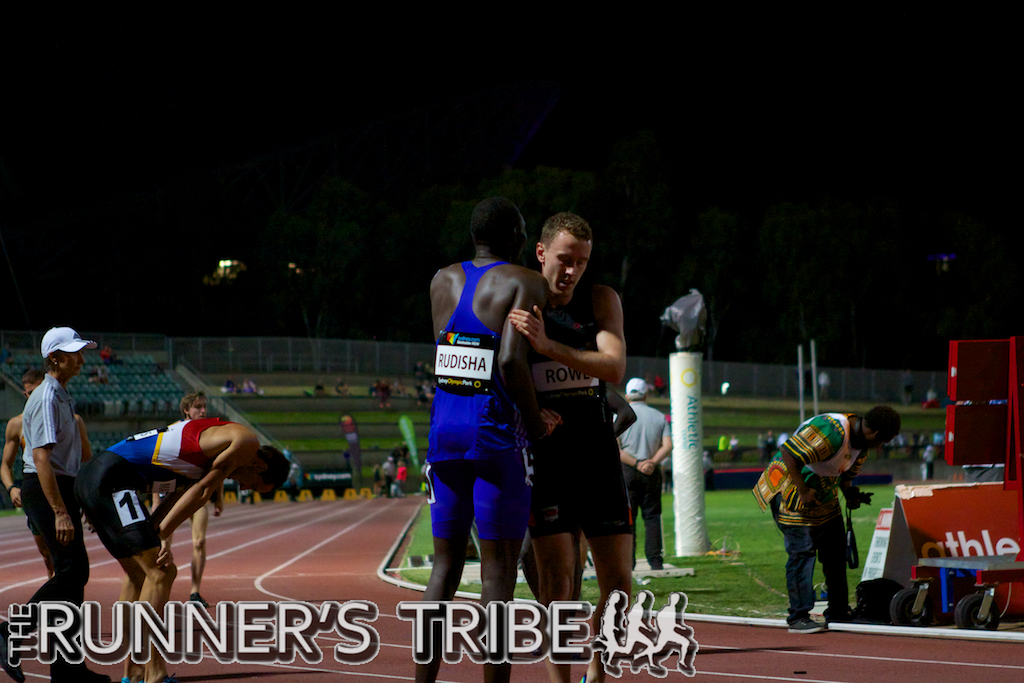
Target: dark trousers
[645,495]
[70,562]
[828,542]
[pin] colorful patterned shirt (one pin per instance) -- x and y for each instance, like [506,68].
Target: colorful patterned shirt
[822,446]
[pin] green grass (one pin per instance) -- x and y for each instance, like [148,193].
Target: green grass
[361,417]
[383,443]
[752,584]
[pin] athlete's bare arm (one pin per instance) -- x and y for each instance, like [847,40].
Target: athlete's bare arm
[530,290]
[608,362]
[62,523]
[502,288]
[233,446]
[82,432]
[624,414]
[12,442]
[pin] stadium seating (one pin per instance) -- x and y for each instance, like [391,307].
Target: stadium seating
[137,389]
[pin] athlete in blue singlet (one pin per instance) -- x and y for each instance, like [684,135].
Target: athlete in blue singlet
[483,412]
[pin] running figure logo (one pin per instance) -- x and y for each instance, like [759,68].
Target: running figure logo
[633,639]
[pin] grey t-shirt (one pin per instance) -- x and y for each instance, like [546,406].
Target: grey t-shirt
[49,419]
[643,438]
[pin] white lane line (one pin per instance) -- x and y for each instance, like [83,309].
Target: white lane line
[261,539]
[344,672]
[763,677]
[907,660]
[188,541]
[259,581]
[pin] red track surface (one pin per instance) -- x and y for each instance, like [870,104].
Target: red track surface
[321,551]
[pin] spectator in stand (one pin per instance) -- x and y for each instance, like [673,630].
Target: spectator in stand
[398,389]
[659,386]
[229,386]
[100,375]
[341,388]
[384,393]
[106,355]
[249,387]
[734,446]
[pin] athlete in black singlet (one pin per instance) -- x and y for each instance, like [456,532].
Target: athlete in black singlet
[578,483]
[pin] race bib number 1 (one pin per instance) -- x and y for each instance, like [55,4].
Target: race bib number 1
[129,510]
[464,362]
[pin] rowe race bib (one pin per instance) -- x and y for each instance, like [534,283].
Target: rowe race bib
[463,362]
[554,379]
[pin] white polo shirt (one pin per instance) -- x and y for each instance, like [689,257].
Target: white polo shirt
[49,419]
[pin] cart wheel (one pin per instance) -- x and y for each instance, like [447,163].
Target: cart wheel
[966,613]
[901,609]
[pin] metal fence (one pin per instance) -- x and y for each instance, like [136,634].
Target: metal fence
[120,342]
[782,381]
[295,354]
[347,356]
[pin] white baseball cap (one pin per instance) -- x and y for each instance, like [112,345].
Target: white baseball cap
[636,388]
[64,339]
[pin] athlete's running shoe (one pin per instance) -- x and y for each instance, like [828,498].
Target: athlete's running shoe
[806,625]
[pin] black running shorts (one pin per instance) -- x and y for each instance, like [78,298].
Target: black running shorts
[107,488]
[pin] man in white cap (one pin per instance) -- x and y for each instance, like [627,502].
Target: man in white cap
[642,448]
[53,441]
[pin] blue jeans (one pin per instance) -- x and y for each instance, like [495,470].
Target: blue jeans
[828,542]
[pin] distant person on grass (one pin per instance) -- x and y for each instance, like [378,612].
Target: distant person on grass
[642,448]
[801,486]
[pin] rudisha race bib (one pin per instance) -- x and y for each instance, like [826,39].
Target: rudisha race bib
[463,363]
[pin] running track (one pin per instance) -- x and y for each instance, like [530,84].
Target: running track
[320,551]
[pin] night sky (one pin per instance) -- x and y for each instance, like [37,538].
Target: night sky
[748,111]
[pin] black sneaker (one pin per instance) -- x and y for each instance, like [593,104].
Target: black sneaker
[69,673]
[13,670]
[196,597]
[842,618]
[806,625]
